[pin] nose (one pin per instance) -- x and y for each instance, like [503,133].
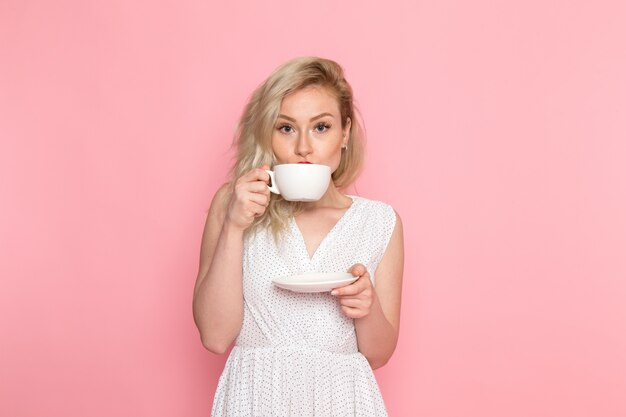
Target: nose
[303,146]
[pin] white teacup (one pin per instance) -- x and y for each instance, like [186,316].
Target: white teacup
[300,182]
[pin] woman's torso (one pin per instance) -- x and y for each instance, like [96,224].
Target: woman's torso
[278,317]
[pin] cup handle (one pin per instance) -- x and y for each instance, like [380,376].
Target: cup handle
[273,188]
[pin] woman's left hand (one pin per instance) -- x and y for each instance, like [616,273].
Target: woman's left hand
[357,298]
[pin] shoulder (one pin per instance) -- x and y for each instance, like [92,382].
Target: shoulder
[370,202]
[378,218]
[377,209]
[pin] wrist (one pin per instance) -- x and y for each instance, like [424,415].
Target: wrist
[229,228]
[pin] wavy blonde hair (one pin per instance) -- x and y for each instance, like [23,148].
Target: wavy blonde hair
[253,137]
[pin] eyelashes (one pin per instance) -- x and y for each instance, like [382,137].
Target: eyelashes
[284,128]
[319,128]
[322,127]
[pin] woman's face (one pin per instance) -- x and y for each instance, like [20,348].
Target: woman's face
[308,128]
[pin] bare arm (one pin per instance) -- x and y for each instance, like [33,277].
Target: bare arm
[218,292]
[376,311]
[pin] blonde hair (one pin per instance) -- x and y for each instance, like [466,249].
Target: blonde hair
[256,125]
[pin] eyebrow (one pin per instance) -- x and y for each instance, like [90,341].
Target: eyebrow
[319,116]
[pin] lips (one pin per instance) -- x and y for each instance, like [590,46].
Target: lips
[304,162]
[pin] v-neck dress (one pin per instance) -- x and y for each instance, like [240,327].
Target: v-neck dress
[296,353]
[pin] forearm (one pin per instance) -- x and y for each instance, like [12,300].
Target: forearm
[376,336]
[218,301]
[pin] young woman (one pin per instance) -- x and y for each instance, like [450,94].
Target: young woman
[299,354]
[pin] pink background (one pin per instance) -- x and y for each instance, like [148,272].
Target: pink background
[496,129]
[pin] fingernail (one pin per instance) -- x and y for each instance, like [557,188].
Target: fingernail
[333,292]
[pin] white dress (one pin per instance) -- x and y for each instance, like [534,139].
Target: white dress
[296,353]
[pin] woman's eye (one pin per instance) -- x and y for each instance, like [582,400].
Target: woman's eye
[322,127]
[285,128]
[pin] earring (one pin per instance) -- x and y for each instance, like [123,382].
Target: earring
[345,146]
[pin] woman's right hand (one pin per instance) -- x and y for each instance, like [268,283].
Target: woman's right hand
[250,198]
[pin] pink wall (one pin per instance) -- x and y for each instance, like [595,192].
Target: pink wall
[496,129]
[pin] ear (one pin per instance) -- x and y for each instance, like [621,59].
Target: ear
[346,131]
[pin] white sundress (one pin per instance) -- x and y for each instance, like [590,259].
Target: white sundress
[296,353]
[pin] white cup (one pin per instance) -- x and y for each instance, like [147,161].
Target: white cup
[300,182]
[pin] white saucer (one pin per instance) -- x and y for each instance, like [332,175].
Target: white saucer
[315,281]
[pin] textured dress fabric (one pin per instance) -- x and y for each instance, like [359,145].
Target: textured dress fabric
[296,353]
